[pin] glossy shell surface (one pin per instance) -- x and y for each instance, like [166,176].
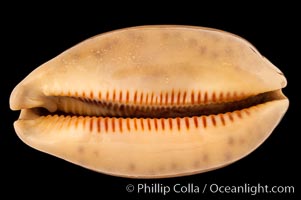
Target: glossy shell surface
[152,102]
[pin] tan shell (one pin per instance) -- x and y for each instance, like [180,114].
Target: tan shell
[112,78]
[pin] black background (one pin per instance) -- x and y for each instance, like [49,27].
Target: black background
[31,37]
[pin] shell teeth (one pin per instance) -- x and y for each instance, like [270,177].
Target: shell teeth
[139,125]
[183,104]
[160,98]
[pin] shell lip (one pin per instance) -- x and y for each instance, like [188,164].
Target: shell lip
[105,109]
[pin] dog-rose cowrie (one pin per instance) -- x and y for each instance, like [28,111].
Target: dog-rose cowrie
[152,102]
